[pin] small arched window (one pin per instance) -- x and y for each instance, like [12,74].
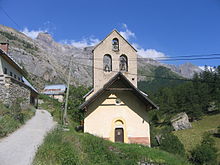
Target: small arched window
[107,63]
[123,65]
[115,44]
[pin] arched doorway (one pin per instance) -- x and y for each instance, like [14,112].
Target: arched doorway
[119,135]
[119,131]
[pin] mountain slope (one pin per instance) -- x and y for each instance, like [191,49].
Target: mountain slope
[158,78]
[47,61]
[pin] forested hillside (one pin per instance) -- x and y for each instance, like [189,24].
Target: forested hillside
[196,97]
[200,99]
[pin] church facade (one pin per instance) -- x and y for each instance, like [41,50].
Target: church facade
[115,109]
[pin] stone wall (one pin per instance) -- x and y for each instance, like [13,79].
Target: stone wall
[13,89]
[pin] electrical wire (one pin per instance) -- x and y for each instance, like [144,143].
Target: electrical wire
[144,75]
[4,11]
[159,59]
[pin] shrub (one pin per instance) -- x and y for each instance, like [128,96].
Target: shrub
[75,100]
[172,144]
[205,153]
[13,117]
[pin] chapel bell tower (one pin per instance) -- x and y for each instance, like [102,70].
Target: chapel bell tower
[112,55]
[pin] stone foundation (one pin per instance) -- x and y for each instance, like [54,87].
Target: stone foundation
[13,89]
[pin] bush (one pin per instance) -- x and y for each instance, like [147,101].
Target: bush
[172,144]
[205,153]
[13,117]
[75,100]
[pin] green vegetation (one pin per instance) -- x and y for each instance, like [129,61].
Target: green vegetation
[193,137]
[13,37]
[197,98]
[71,148]
[158,78]
[200,99]
[75,100]
[205,153]
[13,117]
[52,106]
[172,144]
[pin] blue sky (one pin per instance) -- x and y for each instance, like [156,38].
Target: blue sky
[157,28]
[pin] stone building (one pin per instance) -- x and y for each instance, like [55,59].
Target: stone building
[55,91]
[115,109]
[13,85]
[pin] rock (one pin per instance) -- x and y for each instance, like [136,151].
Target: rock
[181,121]
[158,138]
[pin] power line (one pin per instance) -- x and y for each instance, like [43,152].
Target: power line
[4,11]
[157,77]
[161,59]
[193,55]
[184,59]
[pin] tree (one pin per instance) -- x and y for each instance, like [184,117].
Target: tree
[172,144]
[75,100]
[205,153]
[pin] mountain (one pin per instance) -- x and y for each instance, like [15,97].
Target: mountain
[47,61]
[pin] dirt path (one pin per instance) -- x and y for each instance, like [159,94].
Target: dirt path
[19,148]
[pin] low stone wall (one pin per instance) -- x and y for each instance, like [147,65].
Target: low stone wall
[13,89]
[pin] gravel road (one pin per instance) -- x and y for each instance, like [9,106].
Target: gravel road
[19,148]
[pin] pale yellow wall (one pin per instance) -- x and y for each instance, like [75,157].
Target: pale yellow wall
[5,64]
[101,77]
[103,112]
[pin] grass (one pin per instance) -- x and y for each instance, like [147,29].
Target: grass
[10,121]
[52,106]
[71,148]
[192,137]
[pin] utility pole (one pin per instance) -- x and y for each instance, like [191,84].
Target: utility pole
[67,94]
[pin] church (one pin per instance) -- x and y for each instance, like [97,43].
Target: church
[115,109]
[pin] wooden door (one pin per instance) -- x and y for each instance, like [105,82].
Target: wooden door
[119,135]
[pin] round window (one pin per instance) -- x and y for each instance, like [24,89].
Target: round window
[117,101]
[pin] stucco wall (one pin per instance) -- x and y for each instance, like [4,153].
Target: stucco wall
[101,77]
[5,64]
[102,114]
[13,89]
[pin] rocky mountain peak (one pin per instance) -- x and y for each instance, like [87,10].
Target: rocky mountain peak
[45,37]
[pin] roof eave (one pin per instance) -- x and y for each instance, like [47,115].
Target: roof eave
[11,61]
[92,98]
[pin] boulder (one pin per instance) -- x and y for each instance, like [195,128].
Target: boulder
[181,121]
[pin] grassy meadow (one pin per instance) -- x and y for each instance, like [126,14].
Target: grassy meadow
[193,137]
